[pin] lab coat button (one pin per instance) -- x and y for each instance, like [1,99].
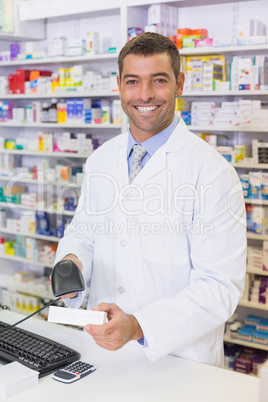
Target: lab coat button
[123,243]
[121,290]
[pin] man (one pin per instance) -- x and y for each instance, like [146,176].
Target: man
[159,232]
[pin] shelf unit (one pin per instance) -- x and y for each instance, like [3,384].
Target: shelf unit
[254,236]
[228,128]
[27,288]
[244,343]
[257,272]
[66,94]
[25,208]
[61,60]
[255,202]
[194,94]
[33,235]
[24,260]
[258,306]
[43,153]
[23,179]
[62,125]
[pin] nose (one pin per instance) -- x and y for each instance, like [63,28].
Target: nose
[146,92]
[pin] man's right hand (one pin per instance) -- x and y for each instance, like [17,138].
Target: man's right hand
[73,258]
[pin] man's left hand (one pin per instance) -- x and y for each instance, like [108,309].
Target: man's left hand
[120,329]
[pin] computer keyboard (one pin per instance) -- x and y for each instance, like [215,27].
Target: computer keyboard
[34,351]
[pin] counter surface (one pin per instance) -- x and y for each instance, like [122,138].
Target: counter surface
[128,376]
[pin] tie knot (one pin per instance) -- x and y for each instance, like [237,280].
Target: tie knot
[138,153]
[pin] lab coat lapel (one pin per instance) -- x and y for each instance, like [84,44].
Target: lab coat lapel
[158,161]
[121,170]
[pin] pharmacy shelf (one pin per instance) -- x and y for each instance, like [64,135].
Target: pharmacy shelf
[40,9]
[32,235]
[61,60]
[24,260]
[210,128]
[221,49]
[256,202]
[22,207]
[22,179]
[225,93]
[259,306]
[29,288]
[79,94]
[256,272]
[178,3]
[250,165]
[244,343]
[61,125]
[254,236]
[42,153]
[60,95]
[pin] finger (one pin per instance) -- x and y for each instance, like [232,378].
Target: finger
[100,330]
[69,296]
[105,307]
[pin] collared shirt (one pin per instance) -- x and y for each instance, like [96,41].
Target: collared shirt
[152,144]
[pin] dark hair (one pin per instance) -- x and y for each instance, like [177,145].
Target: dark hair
[149,44]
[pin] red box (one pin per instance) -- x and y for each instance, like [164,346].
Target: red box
[201,32]
[183,32]
[21,76]
[11,83]
[44,73]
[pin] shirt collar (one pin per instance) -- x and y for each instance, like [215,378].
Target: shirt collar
[156,141]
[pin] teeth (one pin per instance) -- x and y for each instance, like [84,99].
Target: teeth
[146,109]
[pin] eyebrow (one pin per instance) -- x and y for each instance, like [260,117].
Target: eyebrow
[163,74]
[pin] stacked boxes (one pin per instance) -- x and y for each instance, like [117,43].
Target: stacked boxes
[258,292]
[244,359]
[227,114]
[202,113]
[256,289]
[204,72]
[265,255]
[257,219]
[255,330]
[248,73]
[250,31]
[255,258]
[211,73]
[164,17]
[259,151]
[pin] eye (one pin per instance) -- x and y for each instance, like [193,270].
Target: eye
[131,82]
[160,80]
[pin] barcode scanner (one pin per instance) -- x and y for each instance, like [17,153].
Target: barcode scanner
[66,278]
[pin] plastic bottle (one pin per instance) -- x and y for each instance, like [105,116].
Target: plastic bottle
[44,115]
[1,245]
[52,112]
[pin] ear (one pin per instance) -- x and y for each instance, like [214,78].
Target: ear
[118,83]
[180,84]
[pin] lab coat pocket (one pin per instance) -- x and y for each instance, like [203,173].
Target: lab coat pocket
[165,262]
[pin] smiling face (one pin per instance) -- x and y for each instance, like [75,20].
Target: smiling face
[148,90]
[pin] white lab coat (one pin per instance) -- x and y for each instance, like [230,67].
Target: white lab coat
[170,248]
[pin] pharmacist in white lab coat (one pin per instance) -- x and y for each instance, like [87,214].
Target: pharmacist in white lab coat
[165,255]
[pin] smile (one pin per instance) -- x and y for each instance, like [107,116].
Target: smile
[146,109]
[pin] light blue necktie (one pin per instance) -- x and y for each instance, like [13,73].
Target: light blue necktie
[138,154]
